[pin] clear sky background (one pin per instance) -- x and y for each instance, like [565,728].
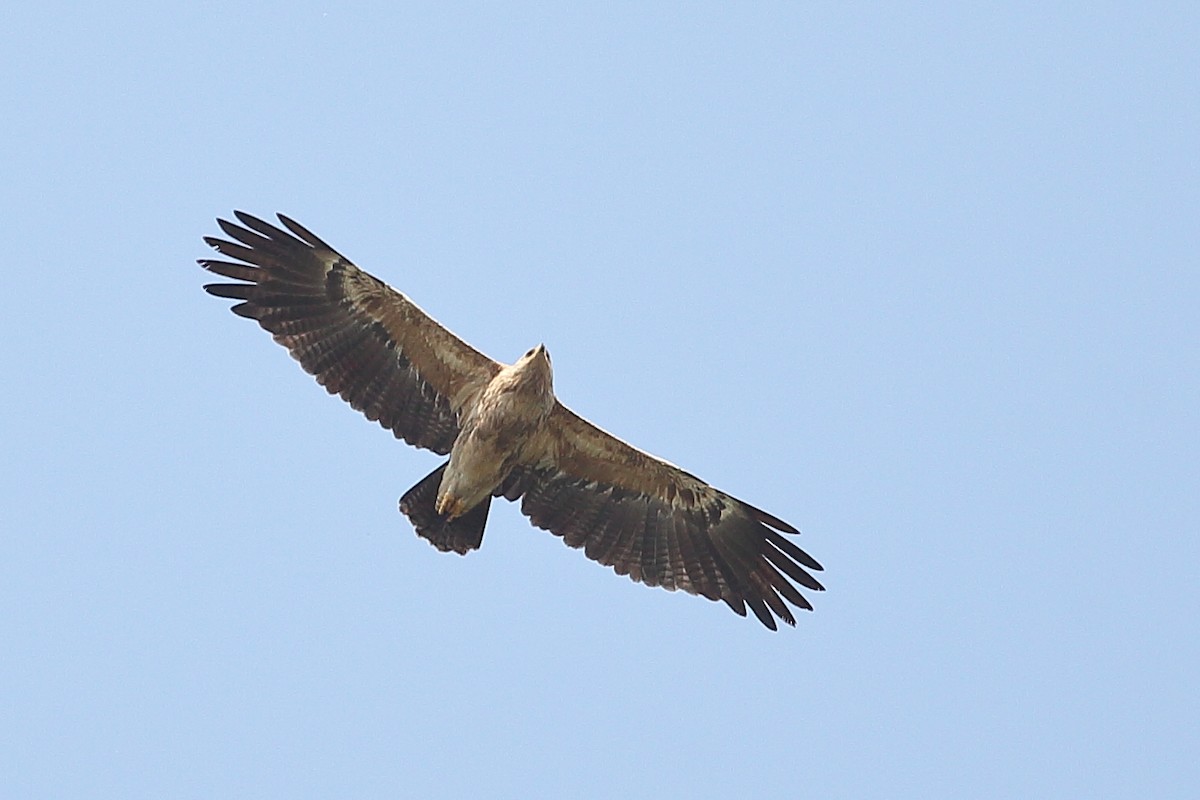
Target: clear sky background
[922,281]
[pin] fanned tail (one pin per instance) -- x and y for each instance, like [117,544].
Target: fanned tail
[460,535]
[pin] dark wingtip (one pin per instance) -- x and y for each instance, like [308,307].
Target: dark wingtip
[791,549]
[230,291]
[262,227]
[303,233]
[768,519]
[247,219]
[759,607]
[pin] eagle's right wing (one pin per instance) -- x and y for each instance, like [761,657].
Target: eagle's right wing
[362,339]
[650,520]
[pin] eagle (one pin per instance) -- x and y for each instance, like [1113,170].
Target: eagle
[505,432]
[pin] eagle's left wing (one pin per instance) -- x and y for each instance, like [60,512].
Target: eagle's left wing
[358,336]
[659,525]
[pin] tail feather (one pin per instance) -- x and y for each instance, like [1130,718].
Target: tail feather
[461,534]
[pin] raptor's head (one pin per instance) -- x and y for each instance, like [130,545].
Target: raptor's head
[535,368]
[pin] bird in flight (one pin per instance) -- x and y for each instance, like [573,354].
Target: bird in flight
[505,432]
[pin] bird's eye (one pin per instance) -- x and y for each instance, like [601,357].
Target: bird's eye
[530,352]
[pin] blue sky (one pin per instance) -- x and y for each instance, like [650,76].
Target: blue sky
[921,281]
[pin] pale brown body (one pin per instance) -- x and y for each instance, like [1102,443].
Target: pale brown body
[500,431]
